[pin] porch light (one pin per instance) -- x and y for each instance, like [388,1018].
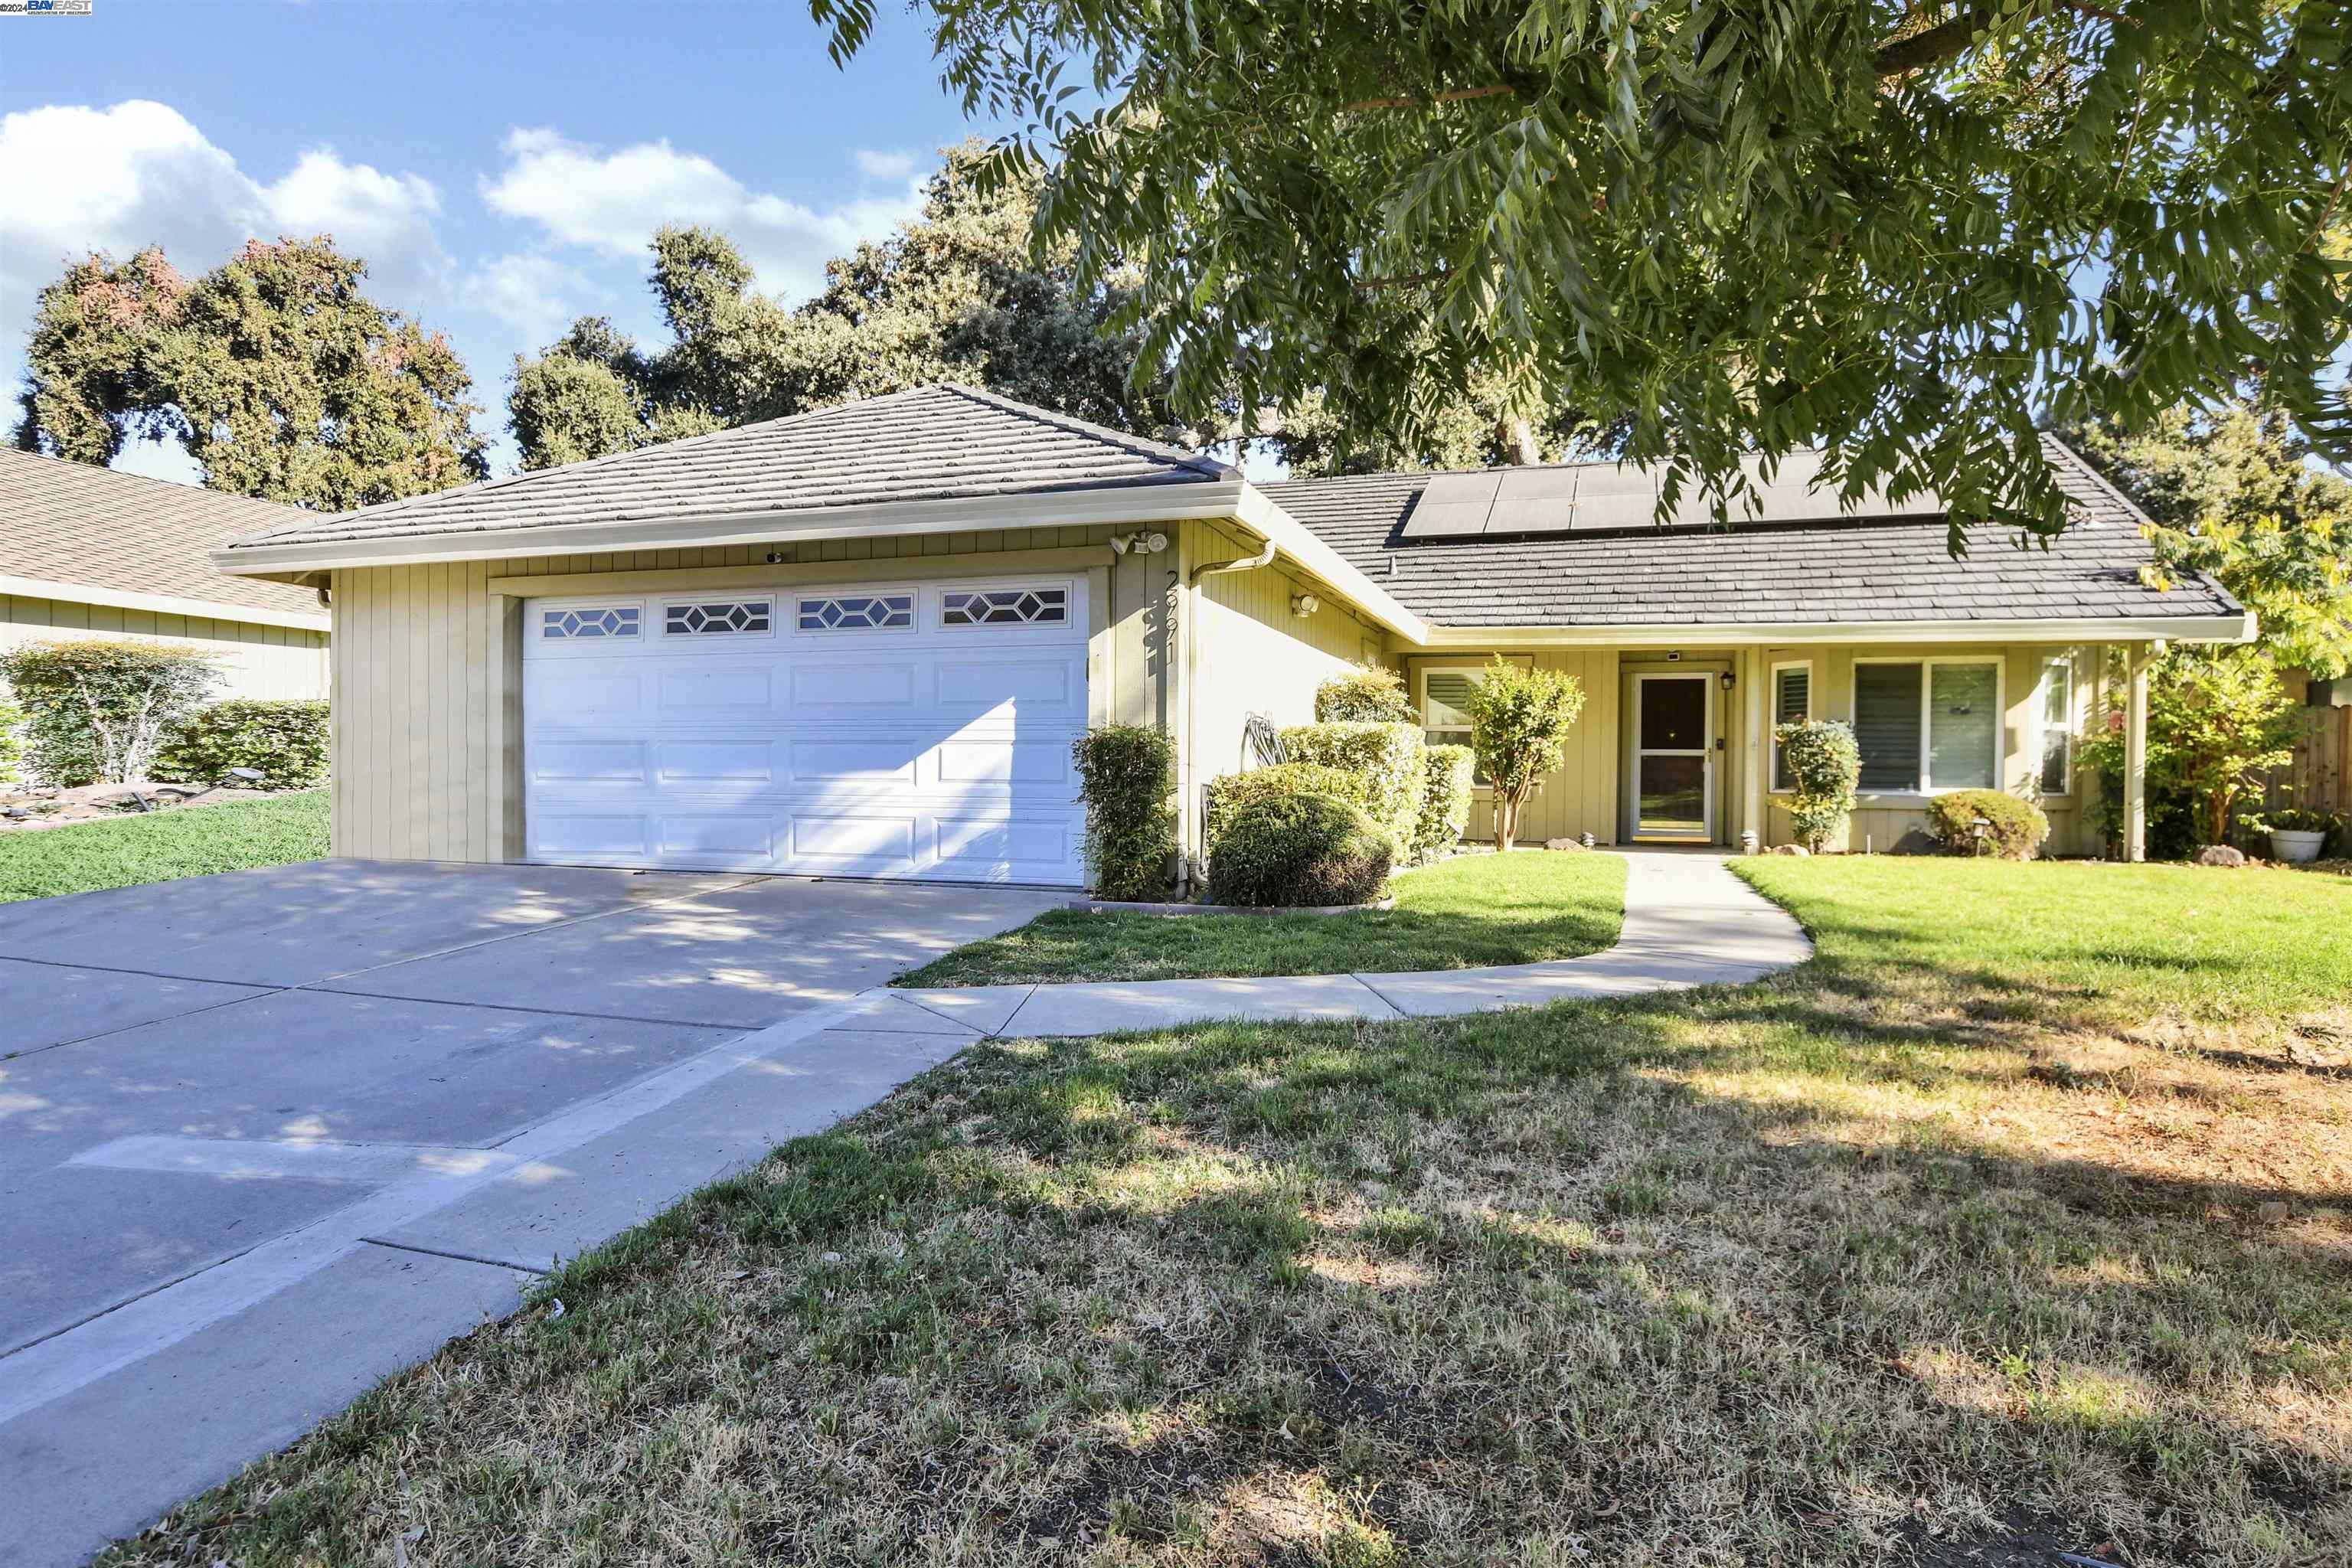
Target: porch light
[1728,679]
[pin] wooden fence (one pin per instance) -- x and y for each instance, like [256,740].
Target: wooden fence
[2320,776]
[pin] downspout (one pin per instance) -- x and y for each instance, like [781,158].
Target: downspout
[1190,629]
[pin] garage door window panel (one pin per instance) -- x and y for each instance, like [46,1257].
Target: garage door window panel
[719,617]
[856,613]
[590,623]
[1016,607]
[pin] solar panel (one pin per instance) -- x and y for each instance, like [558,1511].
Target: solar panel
[1453,505]
[1534,500]
[1596,497]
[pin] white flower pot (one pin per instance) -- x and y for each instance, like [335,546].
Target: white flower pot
[2295,846]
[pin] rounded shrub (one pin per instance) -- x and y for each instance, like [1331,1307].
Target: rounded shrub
[2012,828]
[1229,792]
[1823,762]
[1364,694]
[1300,849]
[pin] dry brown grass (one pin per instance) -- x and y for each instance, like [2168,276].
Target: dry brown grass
[1889,1259]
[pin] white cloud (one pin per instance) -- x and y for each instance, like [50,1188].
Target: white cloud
[876,165]
[83,179]
[611,202]
[537,294]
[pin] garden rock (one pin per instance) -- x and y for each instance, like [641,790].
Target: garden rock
[1790,849]
[1563,844]
[2220,855]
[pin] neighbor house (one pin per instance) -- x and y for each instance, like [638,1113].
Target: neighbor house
[859,641]
[87,552]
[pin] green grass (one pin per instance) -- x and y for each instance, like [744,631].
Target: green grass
[1471,911]
[184,841]
[2015,1221]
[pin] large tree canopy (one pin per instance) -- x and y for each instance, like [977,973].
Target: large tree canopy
[1898,228]
[280,377]
[2233,494]
[959,294]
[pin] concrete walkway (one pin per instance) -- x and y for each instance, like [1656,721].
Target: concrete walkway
[1688,922]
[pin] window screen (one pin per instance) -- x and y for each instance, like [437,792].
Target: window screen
[1886,724]
[1793,699]
[2057,726]
[1445,710]
[1963,726]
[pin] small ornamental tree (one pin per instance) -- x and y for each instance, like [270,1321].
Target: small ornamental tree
[1823,763]
[1519,720]
[1123,777]
[2218,723]
[1366,693]
[98,709]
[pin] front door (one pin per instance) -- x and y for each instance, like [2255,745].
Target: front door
[1674,758]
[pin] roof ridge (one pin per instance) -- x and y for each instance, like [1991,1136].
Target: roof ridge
[988,399]
[1141,444]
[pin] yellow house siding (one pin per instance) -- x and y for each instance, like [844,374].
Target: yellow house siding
[1884,822]
[259,661]
[1582,795]
[428,688]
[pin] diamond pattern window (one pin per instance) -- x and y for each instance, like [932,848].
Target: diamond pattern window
[574,626]
[1006,607]
[719,619]
[857,612]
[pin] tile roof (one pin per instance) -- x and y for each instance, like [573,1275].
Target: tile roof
[73,522]
[931,443]
[1865,571]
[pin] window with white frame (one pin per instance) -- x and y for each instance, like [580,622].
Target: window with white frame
[1445,707]
[1792,702]
[2056,713]
[1926,726]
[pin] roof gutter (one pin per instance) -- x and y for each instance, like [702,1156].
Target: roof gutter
[2229,628]
[1236,499]
[162,603]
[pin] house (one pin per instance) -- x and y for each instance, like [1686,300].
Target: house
[859,641]
[88,551]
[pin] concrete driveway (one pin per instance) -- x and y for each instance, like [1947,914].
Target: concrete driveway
[268,1137]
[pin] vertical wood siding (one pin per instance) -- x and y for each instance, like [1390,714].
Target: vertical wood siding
[256,661]
[428,694]
[1900,822]
[1251,656]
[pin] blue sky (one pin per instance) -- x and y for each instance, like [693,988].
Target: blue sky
[501,164]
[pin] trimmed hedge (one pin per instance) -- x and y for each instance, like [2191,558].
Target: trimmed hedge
[1445,777]
[1301,848]
[1230,793]
[285,740]
[2014,829]
[1383,758]
[1823,762]
[1125,774]
[1365,693]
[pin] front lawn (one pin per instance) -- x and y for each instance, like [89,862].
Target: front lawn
[2016,1222]
[1470,910]
[184,841]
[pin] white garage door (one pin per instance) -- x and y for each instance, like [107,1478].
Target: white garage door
[915,729]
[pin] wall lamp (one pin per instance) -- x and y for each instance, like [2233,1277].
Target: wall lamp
[1728,679]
